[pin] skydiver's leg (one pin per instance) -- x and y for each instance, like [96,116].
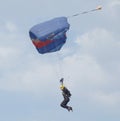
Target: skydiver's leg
[64,103]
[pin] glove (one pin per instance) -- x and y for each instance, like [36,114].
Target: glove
[61,80]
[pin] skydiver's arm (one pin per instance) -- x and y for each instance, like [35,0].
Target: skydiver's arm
[61,81]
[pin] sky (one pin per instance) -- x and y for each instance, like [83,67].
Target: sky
[89,62]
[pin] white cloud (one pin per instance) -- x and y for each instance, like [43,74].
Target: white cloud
[101,44]
[6,52]
[114,8]
[114,3]
[7,56]
[11,27]
[8,27]
[84,72]
[107,99]
[33,77]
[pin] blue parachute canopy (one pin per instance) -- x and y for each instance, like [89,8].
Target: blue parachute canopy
[49,36]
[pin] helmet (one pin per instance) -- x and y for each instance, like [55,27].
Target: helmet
[62,87]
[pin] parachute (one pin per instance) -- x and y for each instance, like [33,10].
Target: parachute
[49,36]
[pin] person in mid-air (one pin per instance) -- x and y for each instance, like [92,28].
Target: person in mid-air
[66,95]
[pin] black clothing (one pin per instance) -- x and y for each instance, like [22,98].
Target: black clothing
[66,95]
[66,92]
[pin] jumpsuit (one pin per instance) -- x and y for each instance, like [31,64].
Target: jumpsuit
[66,95]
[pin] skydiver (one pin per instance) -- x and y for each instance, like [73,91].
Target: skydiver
[66,95]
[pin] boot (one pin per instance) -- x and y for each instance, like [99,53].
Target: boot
[70,109]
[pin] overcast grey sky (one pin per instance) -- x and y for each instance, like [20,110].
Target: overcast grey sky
[89,62]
